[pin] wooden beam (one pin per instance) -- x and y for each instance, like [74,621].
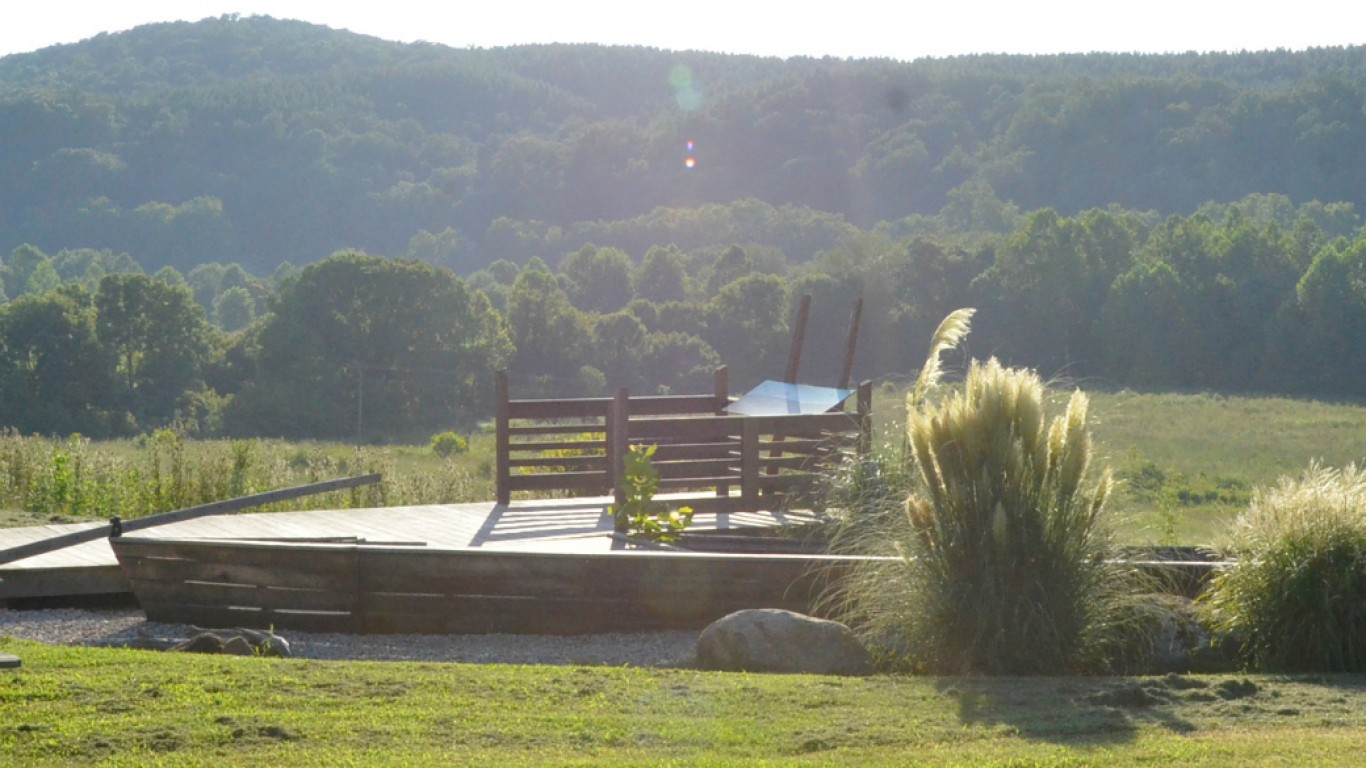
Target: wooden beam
[794,356]
[851,345]
[618,439]
[502,469]
[721,388]
[865,418]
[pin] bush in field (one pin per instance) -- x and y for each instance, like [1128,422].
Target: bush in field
[1296,599]
[447,444]
[998,554]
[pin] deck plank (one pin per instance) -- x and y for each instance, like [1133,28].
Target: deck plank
[578,525]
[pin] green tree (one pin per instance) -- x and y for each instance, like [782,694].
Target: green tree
[159,339]
[403,343]
[599,278]
[446,248]
[679,363]
[1326,348]
[548,333]
[55,376]
[1051,277]
[29,271]
[731,265]
[234,309]
[619,348]
[170,276]
[205,280]
[749,328]
[662,275]
[1144,333]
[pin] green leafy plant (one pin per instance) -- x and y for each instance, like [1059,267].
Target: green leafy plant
[447,444]
[642,515]
[1295,601]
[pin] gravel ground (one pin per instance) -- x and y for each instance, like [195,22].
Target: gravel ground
[124,626]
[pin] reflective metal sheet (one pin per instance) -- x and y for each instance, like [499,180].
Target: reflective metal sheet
[776,398]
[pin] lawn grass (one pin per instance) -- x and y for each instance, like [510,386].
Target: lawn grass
[69,706]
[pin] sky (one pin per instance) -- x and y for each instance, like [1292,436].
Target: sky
[899,29]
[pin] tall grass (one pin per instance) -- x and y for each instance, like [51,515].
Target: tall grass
[1296,600]
[998,555]
[76,478]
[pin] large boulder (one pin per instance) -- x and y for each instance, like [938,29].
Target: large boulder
[774,640]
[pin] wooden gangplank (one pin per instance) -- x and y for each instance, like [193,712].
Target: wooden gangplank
[118,527]
[92,570]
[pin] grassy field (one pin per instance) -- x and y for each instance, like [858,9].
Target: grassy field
[136,708]
[52,481]
[1189,463]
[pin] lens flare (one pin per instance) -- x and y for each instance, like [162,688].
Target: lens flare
[687,92]
[690,145]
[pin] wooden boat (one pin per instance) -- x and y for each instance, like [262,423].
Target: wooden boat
[377,589]
[725,466]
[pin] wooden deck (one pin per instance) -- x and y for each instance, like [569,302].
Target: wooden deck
[562,526]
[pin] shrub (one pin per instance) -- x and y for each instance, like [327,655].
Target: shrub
[999,559]
[447,444]
[1296,599]
[641,514]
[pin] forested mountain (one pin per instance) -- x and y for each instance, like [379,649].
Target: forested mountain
[256,141]
[247,225]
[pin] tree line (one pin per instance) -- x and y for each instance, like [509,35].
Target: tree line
[1259,295]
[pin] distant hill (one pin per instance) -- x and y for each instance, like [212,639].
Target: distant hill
[258,141]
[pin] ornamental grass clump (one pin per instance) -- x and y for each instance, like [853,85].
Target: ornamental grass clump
[1295,601]
[999,558]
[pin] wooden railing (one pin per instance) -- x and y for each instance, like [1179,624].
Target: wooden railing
[575,447]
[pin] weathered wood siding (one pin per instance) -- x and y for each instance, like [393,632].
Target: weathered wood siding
[387,590]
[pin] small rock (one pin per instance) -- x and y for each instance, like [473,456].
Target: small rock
[267,643]
[204,642]
[774,640]
[238,646]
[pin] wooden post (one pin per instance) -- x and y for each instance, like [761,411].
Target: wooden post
[794,356]
[502,442]
[794,359]
[618,442]
[851,344]
[749,465]
[865,417]
[721,378]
